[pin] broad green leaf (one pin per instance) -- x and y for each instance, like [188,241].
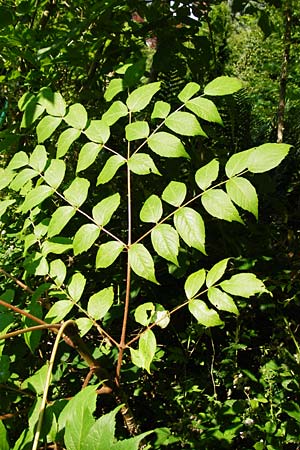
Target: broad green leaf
[144,313]
[76,286]
[32,112]
[21,179]
[160,110]
[141,97]
[133,443]
[85,237]
[243,285]
[78,418]
[36,264]
[146,351]
[4,204]
[25,100]
[218,204]
[59,219]
[223,86]
[104,210]
[167,145]
[77,192]
[84,325]
[108,253]
[204,315]
[19,159]
[137,130]
[55,173]
[38,158]
[184,123]
[65,140]
[117,110]
[142,164]
[267,156]
[141,262]
[58,311]
[165,241]
[98,131]
[6,177]
[190,227]
[36,196]
[101,435]
[110,169]
[77,116]
[161,316]
[52,101]
[216,272]
[36,382]
[4,445]
[56,245]
[194,283]
[205,109]
[188,91]
[174,193]
[87,155]
[243,194]
[221,300]
[237,163]
[57,272]
[46,127]
[100,303]
[207,174]
[114,88]
[151,210]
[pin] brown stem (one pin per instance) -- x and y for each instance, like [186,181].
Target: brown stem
[28,330]
[18,282]
[21,311]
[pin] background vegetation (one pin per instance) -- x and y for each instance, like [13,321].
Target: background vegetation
[234,386]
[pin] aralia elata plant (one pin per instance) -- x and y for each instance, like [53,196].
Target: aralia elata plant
[68,215]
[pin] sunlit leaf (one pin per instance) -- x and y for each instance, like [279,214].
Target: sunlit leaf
[77,192]
[108,253]
[58,311]
[65,140]
[142,164]
[167,145]
[85,237]
[184,123]
[110,169]
[190,227]
[76,286]
[216,272]
[84,325]
[205,176]
[57,272]
[205,109]
[174,193]
[4,204]
[141,262]
[56,245]
[87,155]
[36,196]
[20,159]
[243,194]
[53,102]
[267,157]
[59,219]
[243,285]
[188,91]
[104,210]
[117,110]
[98,131]
[55,173]
[218,204]
[221,300]
[146,351]
[151,210]
[46,127]
[237,163]
[223,86]
[165,241]
[115,87]
[38,158]
[76,116]
[204,315]
[100,303]
[141,97]
[160,110]
[144,313]
[137,130]
[20,180]
[194,283]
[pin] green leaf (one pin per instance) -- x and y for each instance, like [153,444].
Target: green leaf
[56,245]
[141,262]
[65,140]
[165,241]
[188,91]
[216,272]
[117,110]
[137,130]
[221,300]
[141,97]
[4,445]
[167,145]
[104,210]
[100,303]
[85,237]
[133,443]
[161,316]
[77,116]
[151,210]
[223,86]
[144,313]
[36,264]
[194,283]
[52,101]
[190,227]
[142,164]
[21,179]
[19,159]
[32,112]
[59,219]
[146,351]
[110,169]
[87,155]
[237,163]
[243,194]
[160,110]
[218,204]
[6,176]
[114,88]
[101,435]
[4,204]
[267,156]
[204,315]
[55,173]
[98,131]
[184,123]
[76,286]
[57,272]
[77,192]
[84,325]
[38,158]
[36,196]
[46,127]
[205,176]
[36,382]
[108,253]
[205,109]
[243,285]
